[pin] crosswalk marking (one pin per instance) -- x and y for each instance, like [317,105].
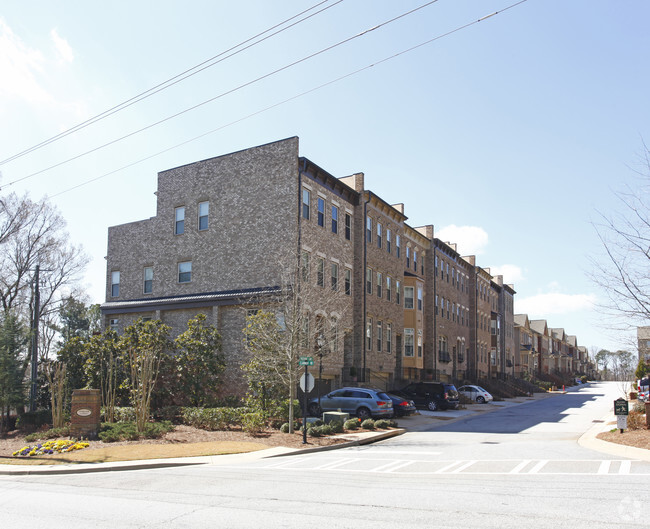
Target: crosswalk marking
[367,463]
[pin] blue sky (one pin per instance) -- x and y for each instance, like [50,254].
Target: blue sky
[508,136]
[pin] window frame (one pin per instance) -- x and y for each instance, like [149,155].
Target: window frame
[115,285]
[320,211]
[179,223]
[408,288]
[147,282]
[335,219]
[205,217]
[306,204]
[182,274]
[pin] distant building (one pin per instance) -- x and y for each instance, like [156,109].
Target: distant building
[643,342]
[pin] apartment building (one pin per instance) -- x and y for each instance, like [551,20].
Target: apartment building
[233,233]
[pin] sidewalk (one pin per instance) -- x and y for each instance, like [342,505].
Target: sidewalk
[421,421]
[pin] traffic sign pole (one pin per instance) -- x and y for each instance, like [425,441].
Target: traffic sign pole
[304,409]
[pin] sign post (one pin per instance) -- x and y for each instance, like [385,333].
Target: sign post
[305,361]
[621,411]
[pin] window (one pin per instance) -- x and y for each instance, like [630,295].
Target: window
[415,259]
[419,344]
[335,276]
[388,240]
[369,229]
[185,272]
[398,291]
[148,280]
[389,338]
[334,335]
[348,282]
[305,266]
[179,227]
[398,245]
[453,312]
[419,298]
[389,286]
[436,304]
[409,342]
[408,257]
[335,219]
[369,280]
[380,335]
[113,324]
[320,273]
[204,210]
[321,212]
[379,235]
[408,297]
[379,284]
[115,284]
[348,226]
[369,334]
[306,201]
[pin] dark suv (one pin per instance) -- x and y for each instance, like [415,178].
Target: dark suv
[430,395]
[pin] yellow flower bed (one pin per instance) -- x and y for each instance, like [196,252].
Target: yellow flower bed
[50,447]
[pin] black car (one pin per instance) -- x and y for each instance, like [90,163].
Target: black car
[401,407]
[430,395]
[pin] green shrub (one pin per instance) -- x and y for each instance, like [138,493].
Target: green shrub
[336,426]
[285,428]
[126,431]
[169,413]
[382,424]
[351,424]
[52,433]
[34,419]
[254,422]
[212,418]
[368,424]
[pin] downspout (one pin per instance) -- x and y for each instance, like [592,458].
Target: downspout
[435,314]
[365,288]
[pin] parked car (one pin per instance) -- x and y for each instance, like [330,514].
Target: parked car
[401,407]
[644,390]
[475,393]
[430,395]
[362,402]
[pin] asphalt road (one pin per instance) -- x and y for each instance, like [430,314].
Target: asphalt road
[516,467]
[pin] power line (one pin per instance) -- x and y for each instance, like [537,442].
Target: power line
[223,94]
[179,77]
[292,98]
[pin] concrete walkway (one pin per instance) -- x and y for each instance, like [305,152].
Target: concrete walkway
[423,420]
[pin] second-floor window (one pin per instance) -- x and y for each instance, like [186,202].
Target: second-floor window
[398,291]
[389,287]
[380,335]
[348,226]
[179,226]
[204,210]
[369,280]
[379,284]
[335,219]
[335,276]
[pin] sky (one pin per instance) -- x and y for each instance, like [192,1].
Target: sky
[510,134]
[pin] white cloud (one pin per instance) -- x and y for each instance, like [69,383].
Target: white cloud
[511,273]
[19,67]
[471,240]
[62,47]
[543,305]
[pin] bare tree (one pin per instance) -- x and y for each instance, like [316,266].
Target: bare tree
[312,303]
[623,272]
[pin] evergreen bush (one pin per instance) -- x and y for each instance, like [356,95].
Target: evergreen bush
[368,424]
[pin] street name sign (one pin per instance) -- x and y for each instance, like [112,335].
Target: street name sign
[306,361]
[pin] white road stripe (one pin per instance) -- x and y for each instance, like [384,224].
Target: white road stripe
[539,466]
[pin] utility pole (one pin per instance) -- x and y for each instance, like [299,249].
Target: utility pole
[35,318]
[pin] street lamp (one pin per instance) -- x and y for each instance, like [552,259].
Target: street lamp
[320,342]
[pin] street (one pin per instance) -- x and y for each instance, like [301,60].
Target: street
[517,467]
